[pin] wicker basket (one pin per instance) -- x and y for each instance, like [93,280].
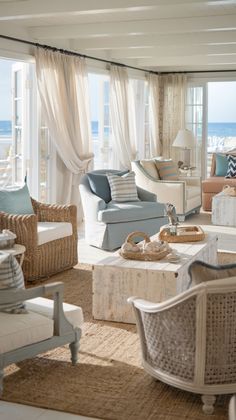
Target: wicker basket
[142,255]
[184,234]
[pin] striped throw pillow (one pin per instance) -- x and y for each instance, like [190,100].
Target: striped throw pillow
[123,188]
[11,277]
[167,169]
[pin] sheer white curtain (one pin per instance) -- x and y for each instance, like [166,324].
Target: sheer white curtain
[63,88]
[123,124]
[171,111]
[154,116]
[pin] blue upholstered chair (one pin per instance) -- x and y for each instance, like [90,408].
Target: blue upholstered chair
[107,223]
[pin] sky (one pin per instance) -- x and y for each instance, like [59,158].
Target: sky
[221,97]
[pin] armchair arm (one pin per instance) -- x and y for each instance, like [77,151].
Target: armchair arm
[145,195]
[24,226]
[91,203]
[61,324]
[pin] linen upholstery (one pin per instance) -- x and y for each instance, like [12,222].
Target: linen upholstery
[51,231]
[200,271]
[111,234]
[22,330]
[43,306]
[123,188]
[130,211]
[16,200]
[11,277]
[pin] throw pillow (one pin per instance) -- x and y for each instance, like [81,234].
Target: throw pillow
[11,277]
[231,172]
[150,167]
[200,271]
[100,186]
[123,188]
[16,200]
[167,169]
[221,165]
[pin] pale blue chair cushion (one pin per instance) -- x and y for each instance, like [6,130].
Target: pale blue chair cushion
[16,201]
[99,184]
[130,211]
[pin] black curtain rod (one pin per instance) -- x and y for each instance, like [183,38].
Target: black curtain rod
[103,60]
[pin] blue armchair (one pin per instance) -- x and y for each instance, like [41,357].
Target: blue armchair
[107,223]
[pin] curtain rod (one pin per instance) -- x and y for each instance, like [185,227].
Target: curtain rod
[77,54]
[103,60]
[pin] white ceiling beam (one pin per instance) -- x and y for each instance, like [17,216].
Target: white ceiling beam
[134,41]
[212,50]
[157,26]
[31,8]
[196,60]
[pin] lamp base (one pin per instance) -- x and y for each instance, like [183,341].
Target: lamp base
[187,157]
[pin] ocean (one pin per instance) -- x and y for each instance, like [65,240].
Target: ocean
[214,129]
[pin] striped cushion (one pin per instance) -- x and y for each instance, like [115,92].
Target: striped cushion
[123,188]
[231,172]
[167,169]
[11,277]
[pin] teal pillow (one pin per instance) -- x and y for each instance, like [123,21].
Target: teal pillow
[221,165]
[100,186]
[16,201]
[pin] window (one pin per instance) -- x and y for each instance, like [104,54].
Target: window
[25,146]
[99,93]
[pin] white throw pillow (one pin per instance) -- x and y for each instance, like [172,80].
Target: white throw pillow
[123,188]
[150,167]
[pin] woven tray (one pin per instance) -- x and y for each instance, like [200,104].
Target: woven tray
[142,255]
[184,234]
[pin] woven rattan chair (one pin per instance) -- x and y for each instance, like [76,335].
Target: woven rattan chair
[189,341]
[53,256]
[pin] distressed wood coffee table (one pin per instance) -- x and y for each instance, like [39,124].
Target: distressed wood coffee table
[116,279]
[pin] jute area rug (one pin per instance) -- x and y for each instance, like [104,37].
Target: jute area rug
[108,382]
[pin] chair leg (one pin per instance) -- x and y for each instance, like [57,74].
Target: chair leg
[74,348]
[208,403]
[1,381]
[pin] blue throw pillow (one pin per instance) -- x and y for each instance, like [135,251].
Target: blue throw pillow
[221,165]
[16,201]
[100,186]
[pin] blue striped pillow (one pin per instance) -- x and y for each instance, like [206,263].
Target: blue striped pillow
[11,277]
[123,188]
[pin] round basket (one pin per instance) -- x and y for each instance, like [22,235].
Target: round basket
[142,255]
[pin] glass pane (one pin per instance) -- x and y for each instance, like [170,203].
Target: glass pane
[18,143]
[198,95]
[106,92]
[18,112]
[106,114]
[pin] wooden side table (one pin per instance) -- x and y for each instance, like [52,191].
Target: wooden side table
[17,250]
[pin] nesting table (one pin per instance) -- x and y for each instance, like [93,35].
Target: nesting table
[223,210]
[116,279]
[17,250]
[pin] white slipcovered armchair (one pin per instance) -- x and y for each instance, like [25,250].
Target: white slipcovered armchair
[46,325]
[189,341]
[184,193]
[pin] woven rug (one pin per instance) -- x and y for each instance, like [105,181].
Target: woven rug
[108,382]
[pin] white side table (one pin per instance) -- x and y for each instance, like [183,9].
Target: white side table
[16,250]
[223,210]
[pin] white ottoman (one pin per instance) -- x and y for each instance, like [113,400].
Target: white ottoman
[223,210]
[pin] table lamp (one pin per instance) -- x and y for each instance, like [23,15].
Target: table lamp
[185,140]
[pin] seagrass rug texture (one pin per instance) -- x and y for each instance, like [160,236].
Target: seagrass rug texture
[108,382]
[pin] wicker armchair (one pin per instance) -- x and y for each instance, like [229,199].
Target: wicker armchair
[189,341]
[51,257]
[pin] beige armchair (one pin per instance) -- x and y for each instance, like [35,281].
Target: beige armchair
[189,341]
[49,235]
[184,193]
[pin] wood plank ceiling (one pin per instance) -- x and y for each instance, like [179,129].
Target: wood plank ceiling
[163,35]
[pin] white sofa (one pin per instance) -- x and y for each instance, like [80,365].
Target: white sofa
[184,193]
[46,325]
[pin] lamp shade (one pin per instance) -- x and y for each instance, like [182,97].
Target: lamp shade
[184,139]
